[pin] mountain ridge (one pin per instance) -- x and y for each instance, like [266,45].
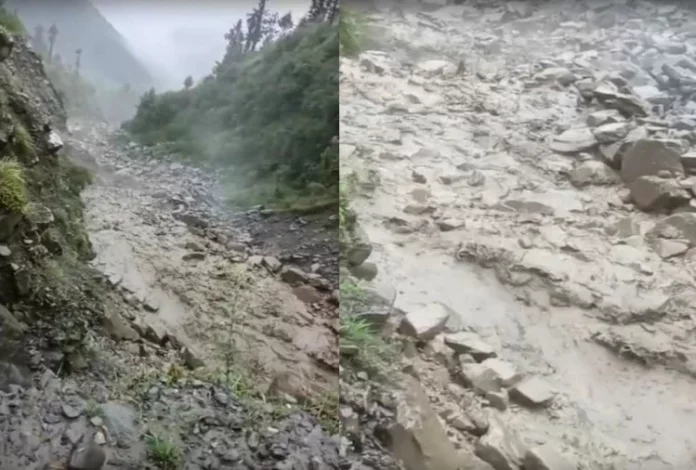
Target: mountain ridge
[106,54]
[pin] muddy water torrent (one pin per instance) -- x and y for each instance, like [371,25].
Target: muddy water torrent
[188,285]
[477,136]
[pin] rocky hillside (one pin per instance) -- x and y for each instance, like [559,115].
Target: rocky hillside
[94,376]
[106,57]
[522,181]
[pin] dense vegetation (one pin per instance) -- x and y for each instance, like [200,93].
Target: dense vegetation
[267,115]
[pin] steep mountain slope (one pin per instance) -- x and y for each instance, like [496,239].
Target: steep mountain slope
[80,382]
[105,53]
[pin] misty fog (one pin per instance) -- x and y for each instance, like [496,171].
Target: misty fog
[179,39]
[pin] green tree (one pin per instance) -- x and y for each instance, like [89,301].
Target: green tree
[267,117]
[255,26]
[286,23]
[269,28]
[332,10]
[235,44]
[318,10]
[188,82]
[52,35]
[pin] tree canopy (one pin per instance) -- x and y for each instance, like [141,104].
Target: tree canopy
[267,115]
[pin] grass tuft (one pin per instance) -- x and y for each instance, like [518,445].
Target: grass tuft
[13,188]
[163,453]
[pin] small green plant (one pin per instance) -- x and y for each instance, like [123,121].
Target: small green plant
[351,30]
[163,453]
[92,409]
[11,23]
[346,220]
[362,346]
[23,141]
[325,409]
[13,188]
[77,177]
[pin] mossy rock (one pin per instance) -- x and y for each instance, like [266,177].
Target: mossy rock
[38,215]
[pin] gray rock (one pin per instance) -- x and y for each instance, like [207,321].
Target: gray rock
[360,248]
[449,224]
[501,447]
[192,357]
[648,157]
[271,263]
[293,276]
[558,74]
[479,378]
[653,193]
[366,271]
[574,141]
[88,457]
[465,342]
[426,323]
[689,162]
[532,392]
[668,248]
[593,172]
[604,116]
[676,226]
[544,457]
[120,420]
[611,132]
[53,142]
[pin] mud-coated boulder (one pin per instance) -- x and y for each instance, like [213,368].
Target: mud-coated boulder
[649,157]
[417,437]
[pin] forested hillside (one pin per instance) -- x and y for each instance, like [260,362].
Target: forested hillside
[267,115]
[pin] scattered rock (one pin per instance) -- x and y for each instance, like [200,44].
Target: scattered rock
[648,158]
[544,457]
[501,447]
[88,457]
[293,276]
[469,343]
[426,323]
[592,172]
[574,141]
[653,193]
[532,392]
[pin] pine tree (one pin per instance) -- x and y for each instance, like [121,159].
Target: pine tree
[332,10]
[318,10]
[286,23]
[255,26]
[188,82]
[235,44]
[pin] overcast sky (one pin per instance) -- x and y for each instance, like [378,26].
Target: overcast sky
[180,38]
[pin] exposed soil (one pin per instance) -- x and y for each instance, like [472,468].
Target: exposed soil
[212,339]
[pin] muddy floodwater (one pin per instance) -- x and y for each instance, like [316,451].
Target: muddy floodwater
[462,128]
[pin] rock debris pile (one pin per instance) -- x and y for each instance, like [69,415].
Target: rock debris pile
[523,177]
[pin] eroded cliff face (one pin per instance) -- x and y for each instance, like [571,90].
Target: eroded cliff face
[43,245]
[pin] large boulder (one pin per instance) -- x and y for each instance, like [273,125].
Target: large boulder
[650,157]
